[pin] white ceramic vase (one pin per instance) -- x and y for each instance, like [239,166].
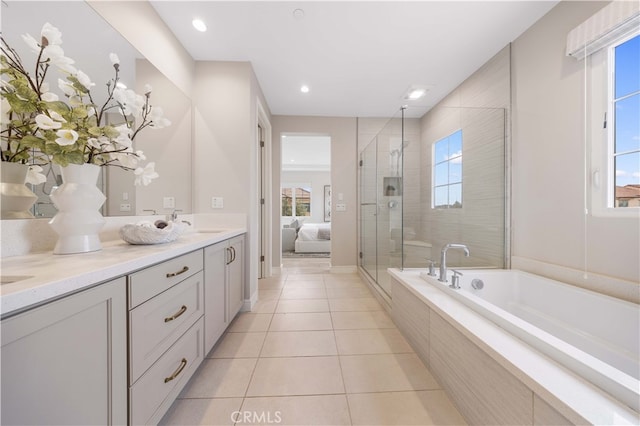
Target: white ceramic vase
[78,200]
[15,198]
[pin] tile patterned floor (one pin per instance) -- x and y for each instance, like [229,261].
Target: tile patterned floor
[318,349]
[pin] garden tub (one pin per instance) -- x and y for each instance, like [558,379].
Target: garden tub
[593,335]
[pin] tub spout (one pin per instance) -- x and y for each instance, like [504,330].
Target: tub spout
[443,259]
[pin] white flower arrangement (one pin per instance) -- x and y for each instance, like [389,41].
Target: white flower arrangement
[72,132]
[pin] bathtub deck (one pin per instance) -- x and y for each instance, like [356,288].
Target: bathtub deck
[550,387]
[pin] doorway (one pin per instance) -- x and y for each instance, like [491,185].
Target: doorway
[305,196]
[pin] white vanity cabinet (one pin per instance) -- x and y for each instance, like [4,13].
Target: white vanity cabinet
[235,277]
[224,286]
[92,341]
[65,362]
[166,333]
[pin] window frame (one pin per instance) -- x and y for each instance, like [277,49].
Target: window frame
[448,185]
[600,70]
[293,187]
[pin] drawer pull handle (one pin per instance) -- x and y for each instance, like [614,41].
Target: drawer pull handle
[175,374]
[177,314]
[181,271]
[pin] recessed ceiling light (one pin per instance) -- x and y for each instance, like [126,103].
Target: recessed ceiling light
[304,89]
[298,13]
[199,25]
[416,92]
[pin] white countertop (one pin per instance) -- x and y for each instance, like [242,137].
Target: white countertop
[52,276]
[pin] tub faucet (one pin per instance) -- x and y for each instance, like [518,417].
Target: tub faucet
[443,259]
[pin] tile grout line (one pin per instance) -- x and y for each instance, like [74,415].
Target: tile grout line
[255,366]
[344,384]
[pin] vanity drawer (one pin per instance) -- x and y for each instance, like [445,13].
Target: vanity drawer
[157,323]
[154,393]
[145,284]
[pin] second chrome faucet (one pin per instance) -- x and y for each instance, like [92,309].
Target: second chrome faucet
[443,259]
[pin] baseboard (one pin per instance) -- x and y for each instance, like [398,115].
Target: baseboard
[248,304]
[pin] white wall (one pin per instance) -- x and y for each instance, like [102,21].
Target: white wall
[343,132]
[141,25]
[226,96]
[549,224]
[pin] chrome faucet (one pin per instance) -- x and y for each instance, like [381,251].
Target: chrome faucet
[443,259]
[173,216]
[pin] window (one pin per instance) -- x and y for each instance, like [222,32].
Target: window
[615,77]
[447,172]
[296,201]
[624,110]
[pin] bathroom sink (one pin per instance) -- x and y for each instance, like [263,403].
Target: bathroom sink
[9,279]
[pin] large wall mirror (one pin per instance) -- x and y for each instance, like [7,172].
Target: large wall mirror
[89,39]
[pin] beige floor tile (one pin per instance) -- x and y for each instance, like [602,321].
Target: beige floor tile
[362,342]
[403,408]
[361,304]
[313,270]
[303,293]
[342,277]
[299,410]
[348,293]
[361,320]
[265,306]
[296,321]
[238,345]
[246,322]
[219,378]
[304,277]
[269,294]
[304,305]
[217,411]
[304,284]
[306,266]
[350,283]
[387,372]
[299,343]
[269,284]
[296,376]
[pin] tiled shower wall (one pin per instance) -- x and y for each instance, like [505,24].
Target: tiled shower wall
[479,107]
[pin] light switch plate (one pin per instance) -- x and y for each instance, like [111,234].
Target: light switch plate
[169,203]
[217,202]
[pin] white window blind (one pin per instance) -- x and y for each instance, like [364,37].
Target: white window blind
[609,23]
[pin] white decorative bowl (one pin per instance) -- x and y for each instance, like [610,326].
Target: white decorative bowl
[147,233]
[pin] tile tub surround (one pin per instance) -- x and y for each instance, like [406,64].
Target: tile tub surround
[302,361]
[457,339]
[53,276]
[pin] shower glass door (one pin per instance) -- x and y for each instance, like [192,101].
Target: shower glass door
[368,210]
[381,204]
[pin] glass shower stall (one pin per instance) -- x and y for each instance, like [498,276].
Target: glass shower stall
[427,182]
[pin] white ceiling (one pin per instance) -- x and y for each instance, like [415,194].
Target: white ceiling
[306,153]
[358,57]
